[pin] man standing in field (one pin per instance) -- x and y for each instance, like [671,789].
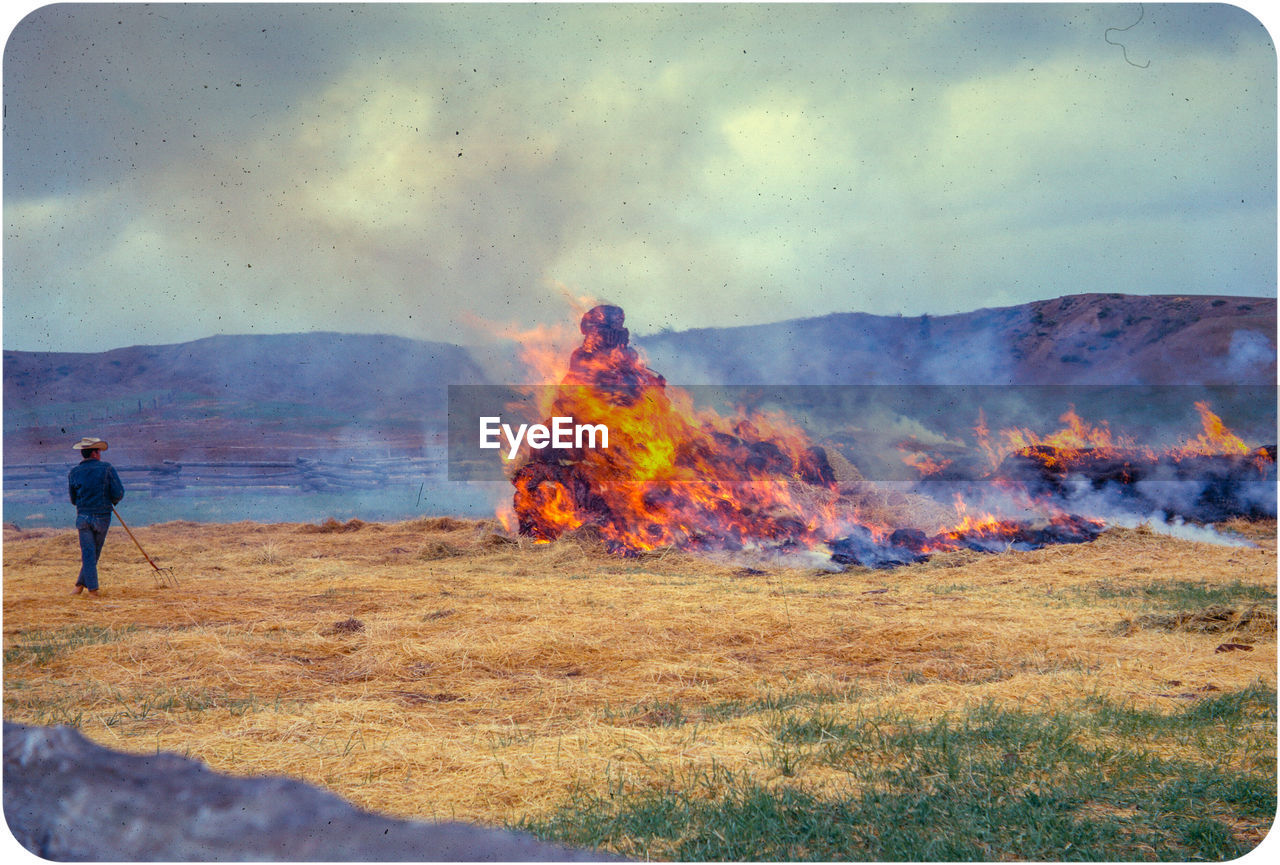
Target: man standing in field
[94,487]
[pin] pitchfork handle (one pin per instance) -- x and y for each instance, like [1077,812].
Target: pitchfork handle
[132,538]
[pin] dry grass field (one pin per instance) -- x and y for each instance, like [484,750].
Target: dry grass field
[439,669]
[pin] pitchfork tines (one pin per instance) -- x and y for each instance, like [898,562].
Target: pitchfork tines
[162,576]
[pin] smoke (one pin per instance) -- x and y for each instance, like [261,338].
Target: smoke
[879,440]
[1178,528]
[681,368]
[759,355]
[1154,505]
[754,555]
[1250,351]
[981,357]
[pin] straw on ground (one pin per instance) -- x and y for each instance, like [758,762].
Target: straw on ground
[438,669]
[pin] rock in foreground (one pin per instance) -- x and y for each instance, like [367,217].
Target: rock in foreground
[66,798]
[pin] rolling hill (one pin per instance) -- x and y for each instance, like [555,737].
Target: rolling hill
[274,396]
[264,397]
[1086,339]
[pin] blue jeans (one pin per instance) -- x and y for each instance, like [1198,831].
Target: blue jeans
[93,534]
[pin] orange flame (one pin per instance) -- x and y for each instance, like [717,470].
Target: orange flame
[1080,441]
[1069,444]
[926,464]
[1216,438]
[672,474]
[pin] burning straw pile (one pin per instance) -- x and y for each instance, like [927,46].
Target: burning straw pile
[679,476]
[672,475]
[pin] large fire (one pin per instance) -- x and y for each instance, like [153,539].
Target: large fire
[673,474]
[679,475]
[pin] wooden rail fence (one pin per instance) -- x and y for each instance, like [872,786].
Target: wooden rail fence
[37,482]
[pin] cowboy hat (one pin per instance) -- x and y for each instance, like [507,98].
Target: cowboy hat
[90,443]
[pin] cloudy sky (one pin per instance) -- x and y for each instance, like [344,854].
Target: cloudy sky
[176,171]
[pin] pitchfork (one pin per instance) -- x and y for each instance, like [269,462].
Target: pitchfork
[163,576]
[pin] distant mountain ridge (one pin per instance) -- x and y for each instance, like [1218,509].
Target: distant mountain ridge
[285,394]
[1077,339]
[338,368]
[236,397]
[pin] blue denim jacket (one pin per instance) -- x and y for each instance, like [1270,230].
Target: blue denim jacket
[94,487]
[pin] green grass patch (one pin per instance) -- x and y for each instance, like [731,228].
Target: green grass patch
[1095,781]
[1187,594]
[40,647]
[167,703]
[821,725]
[774,702]
[949,589]
[670,713]
[657,713]
[83,707]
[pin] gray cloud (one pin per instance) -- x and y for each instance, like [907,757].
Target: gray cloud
[176,171]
